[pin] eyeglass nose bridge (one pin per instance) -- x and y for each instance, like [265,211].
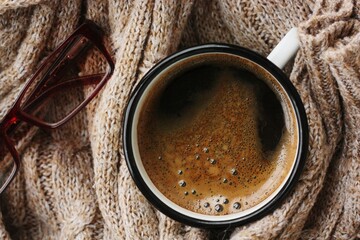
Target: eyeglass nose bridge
[9,119]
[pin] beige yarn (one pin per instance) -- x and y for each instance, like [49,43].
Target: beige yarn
[74,183]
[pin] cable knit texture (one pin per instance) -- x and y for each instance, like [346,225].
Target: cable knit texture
[74,183]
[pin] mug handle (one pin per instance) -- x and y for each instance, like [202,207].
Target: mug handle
[286,49]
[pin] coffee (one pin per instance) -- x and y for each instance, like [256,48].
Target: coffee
[217,139]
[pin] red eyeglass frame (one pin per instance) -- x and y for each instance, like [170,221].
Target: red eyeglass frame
[93,33]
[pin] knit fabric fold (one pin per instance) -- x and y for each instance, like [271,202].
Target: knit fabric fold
[73,182]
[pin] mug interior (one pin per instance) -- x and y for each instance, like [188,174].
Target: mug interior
[167,72]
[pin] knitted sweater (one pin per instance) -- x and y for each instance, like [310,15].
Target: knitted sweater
[73,182]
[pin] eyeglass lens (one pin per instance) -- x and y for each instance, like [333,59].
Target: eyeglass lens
[58,88]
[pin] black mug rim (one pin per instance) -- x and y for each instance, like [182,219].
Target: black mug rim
[274,71]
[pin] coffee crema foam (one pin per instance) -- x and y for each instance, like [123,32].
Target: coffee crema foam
[215,141]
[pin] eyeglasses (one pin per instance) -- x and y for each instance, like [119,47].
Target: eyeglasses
[80,60]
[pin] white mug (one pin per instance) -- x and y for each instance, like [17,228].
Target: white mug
[282,53]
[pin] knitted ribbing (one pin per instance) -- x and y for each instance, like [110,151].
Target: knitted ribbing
[73,182]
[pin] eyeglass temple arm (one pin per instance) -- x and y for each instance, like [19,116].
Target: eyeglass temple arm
[85,80]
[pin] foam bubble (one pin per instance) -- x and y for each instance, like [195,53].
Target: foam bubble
[219,208]
[182,183]
[236,205]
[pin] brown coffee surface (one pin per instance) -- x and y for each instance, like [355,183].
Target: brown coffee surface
[215,140]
